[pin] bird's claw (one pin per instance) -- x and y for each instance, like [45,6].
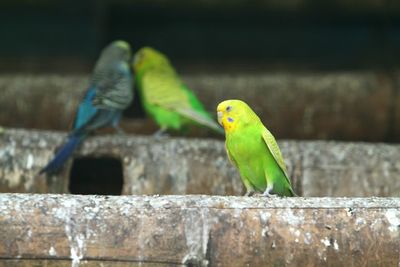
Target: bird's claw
[120,131]
[249,193]
[268,193]
[161,133]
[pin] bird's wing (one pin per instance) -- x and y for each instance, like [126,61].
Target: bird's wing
[273,147]
[114,86]
[167,91]
[163,89]
[230,157]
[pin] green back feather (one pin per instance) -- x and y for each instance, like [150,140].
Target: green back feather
[171,104]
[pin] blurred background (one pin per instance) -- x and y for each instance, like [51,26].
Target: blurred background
[311,69]
[244,36]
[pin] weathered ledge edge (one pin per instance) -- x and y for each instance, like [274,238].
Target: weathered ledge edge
[200,230]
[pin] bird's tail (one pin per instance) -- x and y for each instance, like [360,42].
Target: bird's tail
[198,114]
[201,119]
[292,193]
[63,154]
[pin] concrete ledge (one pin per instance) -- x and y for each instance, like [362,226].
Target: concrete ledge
[200,230]
[200,166]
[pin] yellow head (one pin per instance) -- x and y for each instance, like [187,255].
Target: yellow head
[148,57]
[235,113]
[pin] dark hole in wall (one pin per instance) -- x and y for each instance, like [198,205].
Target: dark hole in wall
[102,176]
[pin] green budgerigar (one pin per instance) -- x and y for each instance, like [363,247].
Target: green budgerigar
[253,150]
[165,97]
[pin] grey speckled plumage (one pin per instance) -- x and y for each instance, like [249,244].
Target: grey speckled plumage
[112,77]
[108,94]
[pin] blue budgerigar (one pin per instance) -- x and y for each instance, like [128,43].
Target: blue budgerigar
[108,94]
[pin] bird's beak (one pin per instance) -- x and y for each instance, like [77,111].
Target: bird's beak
[219,116]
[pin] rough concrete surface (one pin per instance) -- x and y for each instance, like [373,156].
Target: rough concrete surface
[200,166]
[201,230]
[333,105]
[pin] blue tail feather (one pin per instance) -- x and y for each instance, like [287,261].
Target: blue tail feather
[63,154]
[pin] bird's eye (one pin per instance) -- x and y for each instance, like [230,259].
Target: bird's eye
[228,108]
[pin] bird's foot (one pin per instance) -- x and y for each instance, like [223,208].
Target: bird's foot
[119,130]
[249,193]
[161,133]
[268,192]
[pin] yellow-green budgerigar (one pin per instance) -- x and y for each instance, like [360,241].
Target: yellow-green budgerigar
[165,97]
[253,150]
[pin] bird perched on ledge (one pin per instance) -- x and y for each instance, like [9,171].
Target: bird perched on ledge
[109,93]
[253,150]
[165,98]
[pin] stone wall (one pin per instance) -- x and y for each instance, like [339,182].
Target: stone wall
[200,166]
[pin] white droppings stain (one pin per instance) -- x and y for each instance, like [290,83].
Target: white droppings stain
[159,203]
[297,233]
[360,221]
[52,252]
[12,178]
[264,231]
[326,242]
[335,245]
[75,238]
[29,161]
[75,258]
[237,214]
[77,249]
[307,238]
[206,231]
[196,234]
[239,205]
[321,254]
[42,143]
[264,216]
[291,218]
[393,217]
[349,212]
